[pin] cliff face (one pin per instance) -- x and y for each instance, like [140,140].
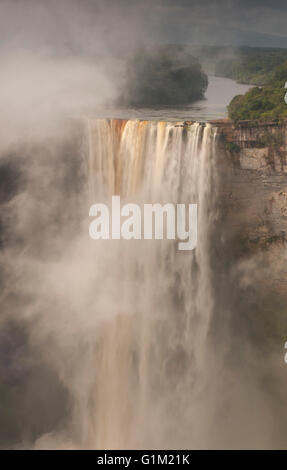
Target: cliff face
[254,189]
[261,147]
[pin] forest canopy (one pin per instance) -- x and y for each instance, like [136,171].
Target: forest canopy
[262,103]
[165,76]
[250,65]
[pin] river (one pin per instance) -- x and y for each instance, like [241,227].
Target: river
[219,93]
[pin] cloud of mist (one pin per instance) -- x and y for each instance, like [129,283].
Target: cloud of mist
[53,74]
[38,92]
[61,59]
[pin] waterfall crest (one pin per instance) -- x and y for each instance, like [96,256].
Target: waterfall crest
[150,358]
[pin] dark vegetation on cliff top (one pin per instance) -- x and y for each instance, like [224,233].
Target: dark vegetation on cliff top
[163,76]
[250,65]
[262,103]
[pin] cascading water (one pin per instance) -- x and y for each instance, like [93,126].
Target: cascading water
[150,358]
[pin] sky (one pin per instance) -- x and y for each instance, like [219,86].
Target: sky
[225,22]
[92,26]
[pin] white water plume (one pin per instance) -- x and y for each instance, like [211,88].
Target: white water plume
[150,359]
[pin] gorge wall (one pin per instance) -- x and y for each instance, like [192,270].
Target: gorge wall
[254,217]
[255,188]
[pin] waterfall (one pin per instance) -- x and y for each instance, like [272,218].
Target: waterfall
[150,359]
